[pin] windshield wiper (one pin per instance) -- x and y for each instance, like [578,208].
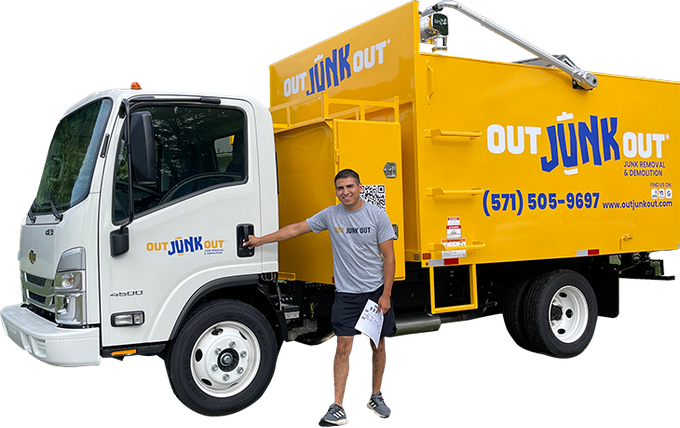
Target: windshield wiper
[55,213]
[32,216]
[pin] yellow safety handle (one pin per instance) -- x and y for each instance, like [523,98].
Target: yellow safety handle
[438,191]
[434,133]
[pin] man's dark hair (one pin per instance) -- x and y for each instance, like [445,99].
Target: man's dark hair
[347,173]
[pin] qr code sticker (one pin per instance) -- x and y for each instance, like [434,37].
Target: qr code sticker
[374,194]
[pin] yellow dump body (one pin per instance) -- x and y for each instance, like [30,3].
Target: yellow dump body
[495,162]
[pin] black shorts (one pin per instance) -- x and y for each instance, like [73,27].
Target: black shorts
[348,307]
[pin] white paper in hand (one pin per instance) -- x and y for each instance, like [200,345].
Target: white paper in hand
[371,321]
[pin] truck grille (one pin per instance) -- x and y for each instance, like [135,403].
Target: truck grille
[36,297]
[42,312]
[38,290]
[36,280]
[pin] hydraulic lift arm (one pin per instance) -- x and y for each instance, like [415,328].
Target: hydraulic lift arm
[582,78]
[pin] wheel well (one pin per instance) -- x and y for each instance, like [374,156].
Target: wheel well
[600,274]
[245,289]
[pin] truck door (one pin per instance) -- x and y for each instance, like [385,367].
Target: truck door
[373,149]
[186,227]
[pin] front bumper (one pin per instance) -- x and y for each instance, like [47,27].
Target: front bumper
[49,343]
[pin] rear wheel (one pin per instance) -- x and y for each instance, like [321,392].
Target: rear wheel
[560,314]
[513,313]
[222,359]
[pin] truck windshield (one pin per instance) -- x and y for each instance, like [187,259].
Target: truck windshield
[71,159]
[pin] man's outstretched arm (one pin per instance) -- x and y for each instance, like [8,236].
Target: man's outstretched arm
[286,232]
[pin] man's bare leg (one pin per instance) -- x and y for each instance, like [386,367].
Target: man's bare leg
[341,366]
[379,359]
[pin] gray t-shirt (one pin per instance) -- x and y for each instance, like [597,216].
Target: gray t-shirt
[355,237]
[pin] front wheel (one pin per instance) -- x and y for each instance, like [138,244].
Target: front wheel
[222,359]
[560,313]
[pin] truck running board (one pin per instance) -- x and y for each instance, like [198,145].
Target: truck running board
[457,308]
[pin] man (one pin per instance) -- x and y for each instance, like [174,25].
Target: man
[363,265]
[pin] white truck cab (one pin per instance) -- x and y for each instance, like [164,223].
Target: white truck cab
[101,279]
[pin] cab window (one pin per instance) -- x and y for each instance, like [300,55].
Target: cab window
[197,149]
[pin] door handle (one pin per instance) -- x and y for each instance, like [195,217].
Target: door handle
[243,231]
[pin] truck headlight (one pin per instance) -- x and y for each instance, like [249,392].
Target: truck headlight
[70,305]
[69,282]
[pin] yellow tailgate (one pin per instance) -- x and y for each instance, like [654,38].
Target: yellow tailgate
[310,154]
[373,150]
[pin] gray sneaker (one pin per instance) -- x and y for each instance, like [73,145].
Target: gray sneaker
[335,416]
[377,404]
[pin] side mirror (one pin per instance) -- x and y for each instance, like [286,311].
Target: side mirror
[143,148]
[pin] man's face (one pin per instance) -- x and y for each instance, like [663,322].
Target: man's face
[347,190]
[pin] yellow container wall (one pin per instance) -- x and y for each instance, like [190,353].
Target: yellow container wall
[548,162]
[506,160]
[373,61]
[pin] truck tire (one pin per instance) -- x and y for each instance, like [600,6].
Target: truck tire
[560,314]
[513,313]
[222,359]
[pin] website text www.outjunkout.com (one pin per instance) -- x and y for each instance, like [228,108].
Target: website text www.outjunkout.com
[661,197]
[633,204]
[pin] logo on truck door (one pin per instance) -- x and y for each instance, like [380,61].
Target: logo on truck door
[180,246]
[573,144]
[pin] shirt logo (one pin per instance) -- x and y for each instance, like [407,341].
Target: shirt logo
[351,230]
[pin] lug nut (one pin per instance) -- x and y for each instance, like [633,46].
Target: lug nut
[214,367]
[239,370]
[217,351]
[243,354]
[232,344]
[225,377]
